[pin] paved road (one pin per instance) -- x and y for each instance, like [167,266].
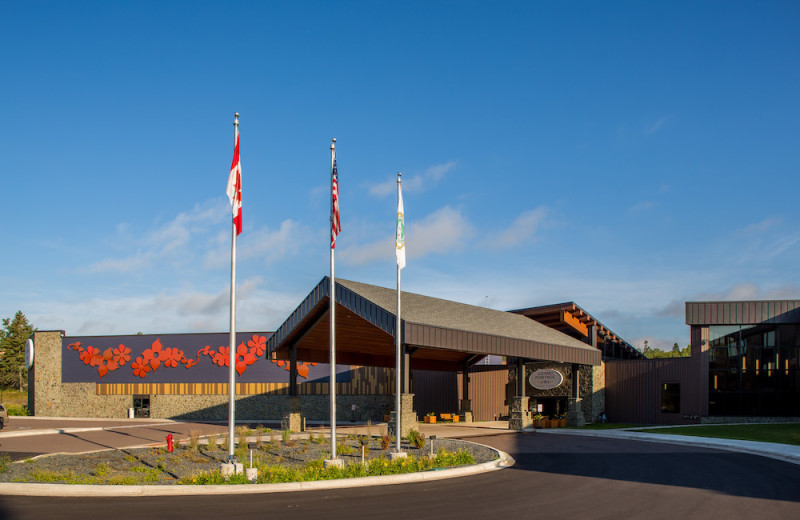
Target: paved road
[555,476]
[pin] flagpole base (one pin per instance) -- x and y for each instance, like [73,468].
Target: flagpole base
[397,455]
[333,463]
[231,468]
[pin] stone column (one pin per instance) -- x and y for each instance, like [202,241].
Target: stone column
[574,411]
[293,420]
[408,417]
[465,404]
[520,417]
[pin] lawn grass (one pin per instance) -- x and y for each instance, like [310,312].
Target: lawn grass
[12,396]
[778,433]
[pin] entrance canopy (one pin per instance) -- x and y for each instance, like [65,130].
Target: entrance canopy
[438,334]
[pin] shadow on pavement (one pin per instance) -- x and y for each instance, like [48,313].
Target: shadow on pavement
[726,472]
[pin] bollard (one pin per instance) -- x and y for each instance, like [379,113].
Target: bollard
[169,443]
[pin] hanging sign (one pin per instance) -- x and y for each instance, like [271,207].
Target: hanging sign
[29,354]
[546,379]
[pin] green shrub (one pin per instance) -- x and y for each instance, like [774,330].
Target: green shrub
[18,410]
[193,442]
[5,460]
[446,459]
[344,449]
[416,439]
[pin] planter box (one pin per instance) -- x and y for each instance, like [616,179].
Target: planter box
[456,418]
[562,423]
[430,419]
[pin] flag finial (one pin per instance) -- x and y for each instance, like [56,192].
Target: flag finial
[333,143]
[398,177]
[236,119]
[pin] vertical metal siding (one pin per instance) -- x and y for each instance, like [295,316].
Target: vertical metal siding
[633,390]
[434,391]
[487,391]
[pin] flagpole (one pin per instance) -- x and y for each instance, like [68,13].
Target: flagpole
[398,334]
[332,383]
[232,339]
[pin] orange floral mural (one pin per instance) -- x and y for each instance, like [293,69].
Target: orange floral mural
[157,356]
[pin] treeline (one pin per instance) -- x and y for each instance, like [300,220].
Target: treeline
[657,353]
[14,334]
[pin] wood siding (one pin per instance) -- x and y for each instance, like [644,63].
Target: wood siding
[363,381]
[487,390]
[633,391]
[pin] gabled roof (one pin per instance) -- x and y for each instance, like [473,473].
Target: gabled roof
[571,319]
[440,334]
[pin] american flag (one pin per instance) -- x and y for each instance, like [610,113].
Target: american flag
[234,189]
[336,225]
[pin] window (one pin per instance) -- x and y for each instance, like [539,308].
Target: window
[670,397]
[141,406]
[754,369]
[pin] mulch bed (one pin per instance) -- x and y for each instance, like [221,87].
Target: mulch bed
[155,465]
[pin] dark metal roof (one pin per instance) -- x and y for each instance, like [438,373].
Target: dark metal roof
[571,319]
[742,312]
[441,334]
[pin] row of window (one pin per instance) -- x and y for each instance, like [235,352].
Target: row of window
[754,370]
[754,358]
[761,335]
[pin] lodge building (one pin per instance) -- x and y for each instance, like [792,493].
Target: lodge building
[477,363]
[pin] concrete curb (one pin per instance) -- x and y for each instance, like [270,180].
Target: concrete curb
[51,431]
[84,490]
[784,452]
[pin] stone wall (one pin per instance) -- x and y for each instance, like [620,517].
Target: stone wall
[598,392]
[46,374]
[49,397]
[271,407]
[591,381]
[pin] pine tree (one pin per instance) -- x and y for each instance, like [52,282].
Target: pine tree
[12,345]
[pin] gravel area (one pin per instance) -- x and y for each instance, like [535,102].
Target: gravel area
[156,465]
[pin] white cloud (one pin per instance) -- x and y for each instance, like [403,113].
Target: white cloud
[761,226]
[169,241]
[642,206]
[188,310]
[413,183]
[654,126]
[444,230]
[265,244]
[521,230]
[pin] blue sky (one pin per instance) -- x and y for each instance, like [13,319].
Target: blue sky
[627,156]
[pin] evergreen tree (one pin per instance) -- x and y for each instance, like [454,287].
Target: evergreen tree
[12,345]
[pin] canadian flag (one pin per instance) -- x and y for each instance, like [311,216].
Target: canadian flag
[235,186]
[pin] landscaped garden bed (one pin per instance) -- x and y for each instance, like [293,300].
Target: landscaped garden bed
[279,457]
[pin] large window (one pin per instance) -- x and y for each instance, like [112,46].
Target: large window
[753,370]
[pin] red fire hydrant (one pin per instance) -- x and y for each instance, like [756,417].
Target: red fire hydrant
[169,443]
